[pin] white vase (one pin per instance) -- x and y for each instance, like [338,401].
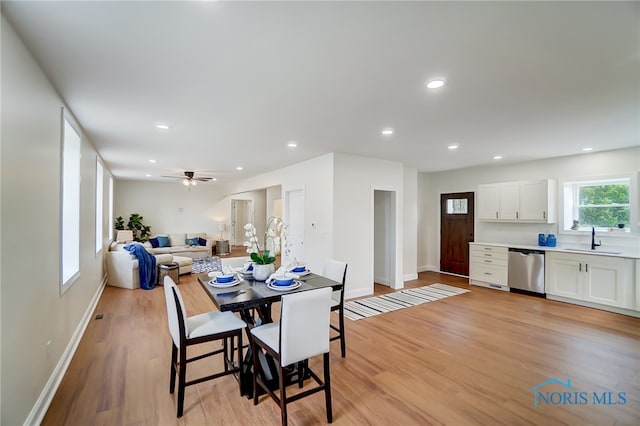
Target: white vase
[262,272]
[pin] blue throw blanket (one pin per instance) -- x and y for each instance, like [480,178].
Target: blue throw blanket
[146,265]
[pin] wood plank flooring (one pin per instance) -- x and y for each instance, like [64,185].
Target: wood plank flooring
[472,359]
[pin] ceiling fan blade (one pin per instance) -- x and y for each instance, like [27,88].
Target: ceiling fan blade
[173,177]
[203,179]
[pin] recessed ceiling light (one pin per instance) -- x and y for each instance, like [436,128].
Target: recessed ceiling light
[162,126]
[453,147]
[153,161]
[497,157]
[292,144]
[239,168]
[435,84]
[387,131]
[587,149]
[148,175]
[214,179]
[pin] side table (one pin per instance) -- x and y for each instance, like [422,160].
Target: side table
[222,247]
[171,269]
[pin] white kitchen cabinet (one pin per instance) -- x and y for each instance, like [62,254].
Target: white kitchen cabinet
[488,266]
[603,280]
[526,201]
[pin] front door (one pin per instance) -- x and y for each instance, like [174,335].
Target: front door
[456,232]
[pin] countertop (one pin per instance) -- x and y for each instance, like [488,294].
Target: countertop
[626,252]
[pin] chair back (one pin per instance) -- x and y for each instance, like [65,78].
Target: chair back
[304,325]
[235,262]
[337,271]
[176,314]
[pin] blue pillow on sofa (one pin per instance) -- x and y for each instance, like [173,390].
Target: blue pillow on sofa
[202,241]
[192,241]
[163,242]
[154,242]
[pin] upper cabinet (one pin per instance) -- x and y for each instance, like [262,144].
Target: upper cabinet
[527,201]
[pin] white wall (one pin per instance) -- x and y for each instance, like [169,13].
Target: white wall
[410,224]
[430,186]
[33,312]
[355,179]
[315,176]
[171,207]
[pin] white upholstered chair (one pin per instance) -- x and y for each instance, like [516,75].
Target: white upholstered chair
[337,271]
[235,262]
[301,333]
[202,328]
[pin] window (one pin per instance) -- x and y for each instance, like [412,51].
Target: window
[110,208]
[457,206]
[604,204]
[99,203]
[70,186]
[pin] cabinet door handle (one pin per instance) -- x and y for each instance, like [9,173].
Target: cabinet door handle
[488,261]
[496,215]
[544,215]
[488,273]
[517,215]
[488,254]
[586,267]
[580,267]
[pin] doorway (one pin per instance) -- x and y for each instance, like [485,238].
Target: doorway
[456,232]
[384,237]
[241,214]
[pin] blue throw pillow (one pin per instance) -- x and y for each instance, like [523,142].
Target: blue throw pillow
[202,241]
[154,242]
[192,241]
[163,242]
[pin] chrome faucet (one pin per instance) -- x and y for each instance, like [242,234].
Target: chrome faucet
[593,239]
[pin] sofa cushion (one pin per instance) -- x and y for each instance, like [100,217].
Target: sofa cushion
[202,241]
[192,241]
[178,239]
[163,241]
[197,235]
[154,242]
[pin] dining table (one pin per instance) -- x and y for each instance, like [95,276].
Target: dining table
[253,301]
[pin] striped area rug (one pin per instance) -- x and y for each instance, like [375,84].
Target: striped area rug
[363,308]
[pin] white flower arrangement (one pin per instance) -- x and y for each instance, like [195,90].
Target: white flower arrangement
[275,240]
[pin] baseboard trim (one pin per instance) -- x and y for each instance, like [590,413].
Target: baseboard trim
[410,277]
[426,268]
[41,406]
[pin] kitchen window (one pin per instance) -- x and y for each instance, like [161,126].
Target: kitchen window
[606,204]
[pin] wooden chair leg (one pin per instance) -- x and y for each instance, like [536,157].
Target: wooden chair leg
[327,386]
[256,371]
[283,394]
[343,346]
[182,379]
[240,369]
[174,359]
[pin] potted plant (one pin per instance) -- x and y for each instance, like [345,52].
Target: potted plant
[141,232]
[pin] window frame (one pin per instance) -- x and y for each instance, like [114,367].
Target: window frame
[631,230]
[99,204]
[69,226]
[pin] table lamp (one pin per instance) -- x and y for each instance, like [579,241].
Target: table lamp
[124,236]
[221,228]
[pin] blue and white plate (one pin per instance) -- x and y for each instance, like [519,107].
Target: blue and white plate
[293,286]
[214,283]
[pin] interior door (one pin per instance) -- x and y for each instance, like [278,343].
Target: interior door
[456,232]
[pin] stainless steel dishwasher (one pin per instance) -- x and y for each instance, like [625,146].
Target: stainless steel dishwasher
[526,270]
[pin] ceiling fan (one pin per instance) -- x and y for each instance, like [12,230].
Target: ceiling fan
[189,180]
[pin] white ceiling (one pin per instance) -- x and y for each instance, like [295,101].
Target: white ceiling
[238,80]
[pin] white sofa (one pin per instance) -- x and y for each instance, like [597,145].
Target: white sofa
[122,266]
[179,247]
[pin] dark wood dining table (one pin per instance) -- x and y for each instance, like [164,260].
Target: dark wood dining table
[250,298]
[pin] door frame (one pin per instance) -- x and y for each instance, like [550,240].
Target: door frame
[397,281]
[439,248]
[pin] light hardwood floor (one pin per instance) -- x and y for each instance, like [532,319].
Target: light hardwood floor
[466,360]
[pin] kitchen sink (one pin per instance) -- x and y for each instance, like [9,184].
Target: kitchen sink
[593,251]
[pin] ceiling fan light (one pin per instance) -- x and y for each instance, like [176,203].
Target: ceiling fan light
[185,182]
[193,182]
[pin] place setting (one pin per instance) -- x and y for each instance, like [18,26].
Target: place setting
[284,280]
[228,277]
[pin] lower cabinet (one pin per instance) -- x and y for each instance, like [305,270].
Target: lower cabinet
[598,279]
[488,266]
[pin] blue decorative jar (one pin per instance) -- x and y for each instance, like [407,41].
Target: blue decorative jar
[551,240]
[542,241]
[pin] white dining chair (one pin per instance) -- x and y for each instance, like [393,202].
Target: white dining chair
[337,271]
[301,333]
[235,262]
[207,327]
